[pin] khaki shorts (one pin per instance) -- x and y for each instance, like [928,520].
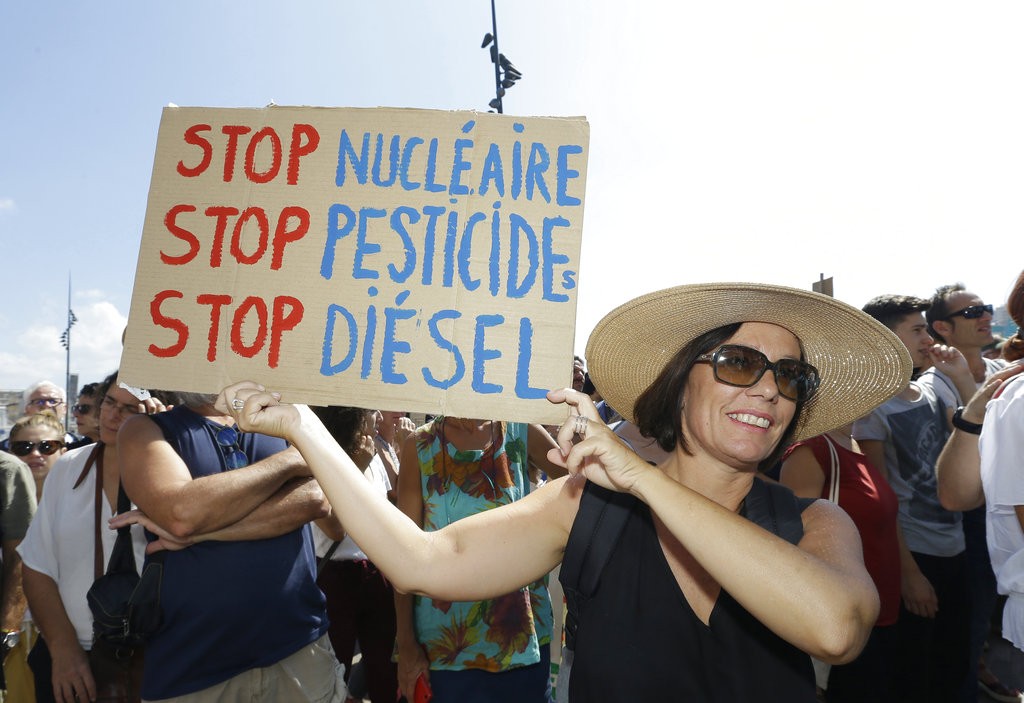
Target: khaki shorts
[311,675]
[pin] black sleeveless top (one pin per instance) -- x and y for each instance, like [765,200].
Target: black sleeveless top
[639,640]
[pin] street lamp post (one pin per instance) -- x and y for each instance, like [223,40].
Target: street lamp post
[505,74]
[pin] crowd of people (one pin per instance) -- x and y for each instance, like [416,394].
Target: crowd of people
[757,493]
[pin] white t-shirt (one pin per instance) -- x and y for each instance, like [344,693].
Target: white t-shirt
[1002,446]
[60,542]
[942,385]
[348,550]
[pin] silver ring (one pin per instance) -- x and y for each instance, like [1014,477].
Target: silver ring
[581,426]
[237,404]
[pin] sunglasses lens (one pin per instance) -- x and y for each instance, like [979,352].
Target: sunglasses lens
[976,311]
[82,409]
[740,366]
[46,447]
[796,380]
[227,437]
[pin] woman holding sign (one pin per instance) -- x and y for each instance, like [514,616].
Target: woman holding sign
[716,585]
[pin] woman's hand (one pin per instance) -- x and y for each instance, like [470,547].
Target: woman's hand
[165,540]
[600,455]
[412,662]
[257,410]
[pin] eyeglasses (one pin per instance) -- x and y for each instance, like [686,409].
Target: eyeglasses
[81,408]
[123,408]
[972,312]
[46,402]
[234,457]
[736,365]
[46,447]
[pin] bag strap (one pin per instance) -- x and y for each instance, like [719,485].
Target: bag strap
[595,532]
[97,549]
[327,557]
[833,476]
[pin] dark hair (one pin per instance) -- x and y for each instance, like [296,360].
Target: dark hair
[939,309]
[891,309]
[1014,347]
[344,423]
[658,411]
[89,389]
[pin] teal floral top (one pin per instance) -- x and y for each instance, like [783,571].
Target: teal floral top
[492,635]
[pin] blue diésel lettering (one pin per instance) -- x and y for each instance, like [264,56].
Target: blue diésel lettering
[442,342]
[326,367]
[539,163]
[399,228]
[523,388]
[379,156]
[391,345]
[492,172]
[403,173]
[369,337]
[363,247]
[516,287]
[429,184]
[335,233]
[482,354]
[565,173]
[551,259]
[360,161]
[465,252]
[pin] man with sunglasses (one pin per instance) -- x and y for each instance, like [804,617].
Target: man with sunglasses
[44,395]
[961,319]
[241,606]
[903,438]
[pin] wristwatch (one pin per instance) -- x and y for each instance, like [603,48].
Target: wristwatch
[965,425]
[10,640]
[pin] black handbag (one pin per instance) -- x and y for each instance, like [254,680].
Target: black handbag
[126,607]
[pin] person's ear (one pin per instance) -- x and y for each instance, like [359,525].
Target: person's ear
[943,327]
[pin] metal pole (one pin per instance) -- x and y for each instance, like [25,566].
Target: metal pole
[497,72]
[67,361]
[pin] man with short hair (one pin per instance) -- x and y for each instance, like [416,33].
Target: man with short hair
[243,616]
[903,438]
[17,506]
[44,395]
[961,319]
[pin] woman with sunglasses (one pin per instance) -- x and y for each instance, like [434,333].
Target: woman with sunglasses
[58,551]
[38,440]
[696,602]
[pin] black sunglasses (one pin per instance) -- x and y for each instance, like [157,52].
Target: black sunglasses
[972,312]
[81,408]
[46,447]
[736,365]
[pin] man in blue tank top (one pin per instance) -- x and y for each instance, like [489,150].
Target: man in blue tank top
[242,614]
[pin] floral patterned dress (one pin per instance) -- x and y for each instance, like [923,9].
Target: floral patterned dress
[491,635]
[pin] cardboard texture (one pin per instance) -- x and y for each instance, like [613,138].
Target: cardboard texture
[385,258]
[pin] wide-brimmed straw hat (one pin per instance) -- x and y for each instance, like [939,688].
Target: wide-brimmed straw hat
[862,364]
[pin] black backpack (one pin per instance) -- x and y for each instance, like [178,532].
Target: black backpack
[603,514]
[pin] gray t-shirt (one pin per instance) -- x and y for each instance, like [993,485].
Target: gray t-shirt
[17,497]
[914,432]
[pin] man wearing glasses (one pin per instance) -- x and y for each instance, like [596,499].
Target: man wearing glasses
[243,615]
[903,438]
[44,395]
[961,319]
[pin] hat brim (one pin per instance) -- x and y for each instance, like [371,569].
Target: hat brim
[861,362]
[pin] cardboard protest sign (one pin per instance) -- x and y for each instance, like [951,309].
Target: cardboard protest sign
[385,258]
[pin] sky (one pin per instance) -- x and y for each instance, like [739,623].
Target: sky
[878,143]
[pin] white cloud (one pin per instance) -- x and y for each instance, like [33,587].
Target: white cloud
[36,352]
[7,204]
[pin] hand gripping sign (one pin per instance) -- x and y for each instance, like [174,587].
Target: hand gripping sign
[385,258]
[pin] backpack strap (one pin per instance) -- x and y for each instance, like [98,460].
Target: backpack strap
[599,522]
